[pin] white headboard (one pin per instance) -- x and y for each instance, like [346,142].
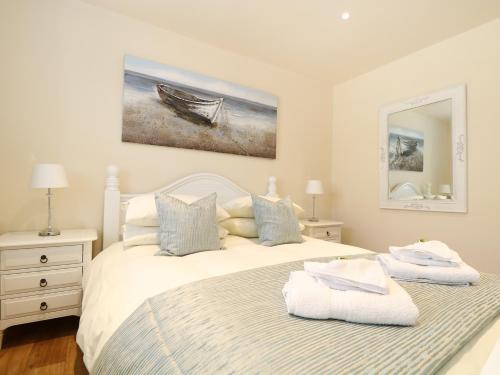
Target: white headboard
[199,184]
[405,192]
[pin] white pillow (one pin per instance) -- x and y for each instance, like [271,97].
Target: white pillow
[141,210]
[242,207]
[244,227]
[135,235]
[223,232]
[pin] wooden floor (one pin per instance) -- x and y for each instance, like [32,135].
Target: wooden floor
[47,347]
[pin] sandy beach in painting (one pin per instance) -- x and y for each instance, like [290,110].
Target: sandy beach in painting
[242,127]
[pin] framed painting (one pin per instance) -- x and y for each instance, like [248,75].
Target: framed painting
[167,106]
[406,150]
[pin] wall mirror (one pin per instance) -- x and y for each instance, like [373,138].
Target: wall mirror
[423,152]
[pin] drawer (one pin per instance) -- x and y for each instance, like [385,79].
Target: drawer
[17,307]
[40,280]
[326,233]
[40,257]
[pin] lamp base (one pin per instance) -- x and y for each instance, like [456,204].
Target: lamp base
[314,219]
[49,232]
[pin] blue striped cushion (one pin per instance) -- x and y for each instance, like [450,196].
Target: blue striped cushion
[276,221]
[187,228]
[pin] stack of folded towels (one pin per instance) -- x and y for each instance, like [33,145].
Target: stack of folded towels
[430,261]
[354,290]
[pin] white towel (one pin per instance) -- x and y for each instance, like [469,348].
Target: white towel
[463,274]
[309,297]
[355,274]
[429,253]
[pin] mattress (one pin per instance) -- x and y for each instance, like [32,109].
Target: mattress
[119,281]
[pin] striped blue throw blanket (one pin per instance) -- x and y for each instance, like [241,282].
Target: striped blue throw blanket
[238,323]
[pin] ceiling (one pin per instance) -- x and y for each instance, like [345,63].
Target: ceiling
[308,36]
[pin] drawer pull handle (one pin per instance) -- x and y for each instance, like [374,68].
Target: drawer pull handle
[44,259]
[328,233]
[43,283]
[43,306]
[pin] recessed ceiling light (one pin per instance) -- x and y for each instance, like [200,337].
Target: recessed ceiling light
[345,16]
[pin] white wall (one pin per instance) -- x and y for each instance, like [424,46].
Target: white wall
[472,58]
[61,101]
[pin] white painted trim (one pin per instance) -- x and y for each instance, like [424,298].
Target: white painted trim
[199,184]
[459,149]
[111,226]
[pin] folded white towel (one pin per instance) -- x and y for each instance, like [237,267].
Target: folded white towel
[463,274]
[355,274]
[309,297]
[429,253]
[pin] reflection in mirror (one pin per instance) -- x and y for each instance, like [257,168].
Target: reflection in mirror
[419,149]
[422,160]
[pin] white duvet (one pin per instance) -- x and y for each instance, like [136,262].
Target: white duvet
[119,280]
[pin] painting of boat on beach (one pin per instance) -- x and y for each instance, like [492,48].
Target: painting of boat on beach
[406,149]
[168,106]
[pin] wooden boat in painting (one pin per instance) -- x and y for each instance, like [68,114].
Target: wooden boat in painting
[190,106]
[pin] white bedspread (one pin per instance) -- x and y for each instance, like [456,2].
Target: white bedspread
[119,281]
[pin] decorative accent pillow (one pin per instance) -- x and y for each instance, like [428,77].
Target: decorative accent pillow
[141,210]
[134,235]
[187,228]
[244,227]
[276,221]
[243,207]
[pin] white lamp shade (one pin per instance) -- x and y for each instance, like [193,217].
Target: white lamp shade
[314,187]
[46,176]
[445,189]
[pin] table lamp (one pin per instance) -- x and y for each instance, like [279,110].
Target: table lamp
[314,187]
[445,190]
[49,176]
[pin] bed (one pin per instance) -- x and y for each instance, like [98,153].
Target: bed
[120,283]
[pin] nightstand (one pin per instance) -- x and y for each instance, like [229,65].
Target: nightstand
[41,277]
[327,230]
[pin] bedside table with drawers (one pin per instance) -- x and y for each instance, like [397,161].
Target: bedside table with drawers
[327,230]
[41,277]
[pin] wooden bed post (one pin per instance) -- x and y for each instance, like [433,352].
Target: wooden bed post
[271,187]
[111,220]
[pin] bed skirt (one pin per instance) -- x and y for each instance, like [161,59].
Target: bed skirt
[238,323]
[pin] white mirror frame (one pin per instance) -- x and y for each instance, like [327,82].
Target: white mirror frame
[459,149]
